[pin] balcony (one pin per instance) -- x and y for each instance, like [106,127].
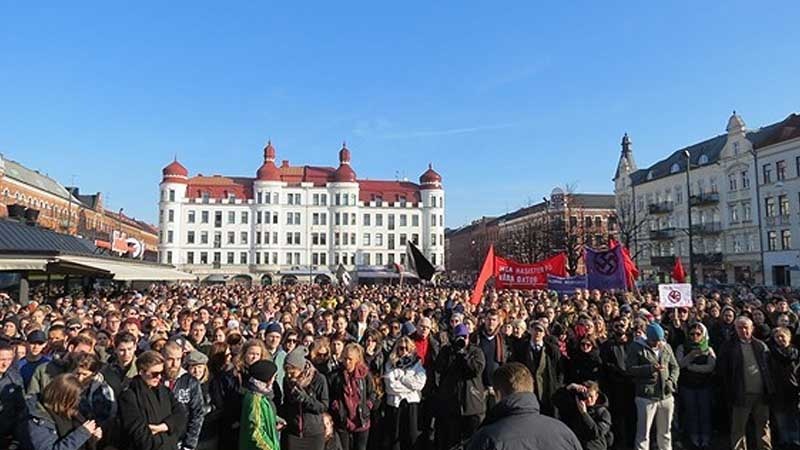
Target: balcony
[662,261]
[708,258]
[661,208]
[663,234]
[704,199]
[707,228]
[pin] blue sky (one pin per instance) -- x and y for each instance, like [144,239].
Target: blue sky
[506,99]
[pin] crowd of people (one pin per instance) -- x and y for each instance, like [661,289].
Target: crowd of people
[397,367]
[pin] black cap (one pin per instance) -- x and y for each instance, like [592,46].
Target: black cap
[37,337]
[263,370]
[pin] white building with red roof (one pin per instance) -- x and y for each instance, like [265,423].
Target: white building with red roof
[296,223]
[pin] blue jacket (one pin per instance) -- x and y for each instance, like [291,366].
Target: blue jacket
[12,401]
[38,432]
[188,393]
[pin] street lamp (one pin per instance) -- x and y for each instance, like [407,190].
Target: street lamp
[758,211]
[689,213]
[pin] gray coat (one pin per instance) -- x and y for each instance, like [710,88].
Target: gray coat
[650,383]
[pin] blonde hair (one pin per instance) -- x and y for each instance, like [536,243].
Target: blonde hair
[394,357]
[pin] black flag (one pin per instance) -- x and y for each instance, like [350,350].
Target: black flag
[417,262]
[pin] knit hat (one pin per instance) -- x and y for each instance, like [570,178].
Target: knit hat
[263,370]
[655,332]
[408,329]
[297,357]
[461,331]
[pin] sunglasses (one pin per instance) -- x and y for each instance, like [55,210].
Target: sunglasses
[155,374]
[75,328]
[291,341]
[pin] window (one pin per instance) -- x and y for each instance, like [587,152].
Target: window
[259,198]
[767,174]
[365,220]
[403,239]
[786,239]
[204,237]
[378,220]
[391,221]
[244,217]
[346,219]
[275,201]
[365,240]
[337,219]
[379,239]
[403,220]
[243,237]
[190,218]
[675,168]
[415,220]
[797,165]
[189,257]
[323,259]
[323,200]
[231,217]
[379,259]
[769,206]
[217,219]
[746,212]
[732,182]
[678,197]
[171,216]
[772,240]
[365,259]
[203,257]
[745,179]
[169,257]
[230,258]
[289,239]
[703,159]
[190,237]
[433,240]
[243,258]
[415,238]
[231,237]
[169,237]
[172,195]
[275,217]
[780,170]
[217,239]
[258,238]
[433,202]
[783,205]
[734,213]
[204,196]
[391,241]
[275,241]
[258,258]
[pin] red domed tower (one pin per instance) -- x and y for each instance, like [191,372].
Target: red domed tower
[345,173]
[174,172]
[269,171]
[430,179]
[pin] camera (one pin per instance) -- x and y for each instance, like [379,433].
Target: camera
[460,343]
[582,395]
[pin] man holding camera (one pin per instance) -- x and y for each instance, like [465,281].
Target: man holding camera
[461,398]
[585,411]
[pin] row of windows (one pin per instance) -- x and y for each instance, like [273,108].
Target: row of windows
[294,218]
[785,242]
[290,258]
[293,238]
[340,199]
[782,203]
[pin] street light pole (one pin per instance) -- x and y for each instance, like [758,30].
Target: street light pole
[758,211]
[689,213]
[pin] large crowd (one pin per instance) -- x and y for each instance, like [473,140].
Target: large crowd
[397,367]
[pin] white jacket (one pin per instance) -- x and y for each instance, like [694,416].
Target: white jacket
[404,384]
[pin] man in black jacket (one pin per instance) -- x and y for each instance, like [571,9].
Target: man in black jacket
[12,398]
[748,384]
[616,383]
[461,398]
[494,347]
[187,392]
[543,360]
[152,419]
[428,351]
[514,423]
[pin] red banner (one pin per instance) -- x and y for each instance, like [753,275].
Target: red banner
[510,274]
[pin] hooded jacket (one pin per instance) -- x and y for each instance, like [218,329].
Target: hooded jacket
[652,384]
[514,423]
[461,389]
[40,432]
[140,406]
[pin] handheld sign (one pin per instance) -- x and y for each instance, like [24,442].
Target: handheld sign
[675,295]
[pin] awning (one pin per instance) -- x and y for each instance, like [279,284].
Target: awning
[23,264]
[129,270]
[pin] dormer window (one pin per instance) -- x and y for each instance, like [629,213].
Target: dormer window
[675,168]
[702,160]
[650,175]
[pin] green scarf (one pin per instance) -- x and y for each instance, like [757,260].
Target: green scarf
[703,344]
[258,422]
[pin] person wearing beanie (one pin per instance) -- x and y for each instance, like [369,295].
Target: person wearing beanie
[305,401]
[654,370]
[259,422]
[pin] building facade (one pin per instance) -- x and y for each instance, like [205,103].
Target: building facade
[66,210]
[296,223]
[741,191]
[563,222]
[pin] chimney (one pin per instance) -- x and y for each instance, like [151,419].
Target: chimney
[285,163]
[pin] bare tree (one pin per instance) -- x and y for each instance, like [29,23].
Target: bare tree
[631,224]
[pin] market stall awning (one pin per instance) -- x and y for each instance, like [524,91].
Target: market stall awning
[23,264]
[130,270]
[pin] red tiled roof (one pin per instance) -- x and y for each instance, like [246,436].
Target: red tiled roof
[219,187]
[389,191]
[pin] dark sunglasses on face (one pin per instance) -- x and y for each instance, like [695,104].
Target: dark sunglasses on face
[155,374]
[291,341]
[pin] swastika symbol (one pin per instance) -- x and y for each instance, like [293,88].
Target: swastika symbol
[674,296]
[606,263]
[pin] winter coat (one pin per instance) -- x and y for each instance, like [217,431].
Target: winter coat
[432,380]
[187,392]
[404,383]
[583,366]
[593,427]
[98,402]
[461,389]
[784,365]
[226,400]
[651,384]
[39,430]
[696,371]
[514,423]
[730,367]
[547,372]
[140,406]
[118,377]
[256,433]
[46,372]
[343,398]
[496,352]
[12,401]
[27,368]
[615,382]
[302,408]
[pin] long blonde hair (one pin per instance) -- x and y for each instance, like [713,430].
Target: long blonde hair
[412,348]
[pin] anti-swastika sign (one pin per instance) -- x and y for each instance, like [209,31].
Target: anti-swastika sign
[676,295]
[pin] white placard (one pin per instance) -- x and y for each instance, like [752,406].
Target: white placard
[676,295]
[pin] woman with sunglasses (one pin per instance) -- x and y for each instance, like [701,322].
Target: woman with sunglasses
[152,419]
[697,361]
[584,363]
[404,379]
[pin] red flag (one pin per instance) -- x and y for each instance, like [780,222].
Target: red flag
[631,271]
[486,272]
[678,274]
